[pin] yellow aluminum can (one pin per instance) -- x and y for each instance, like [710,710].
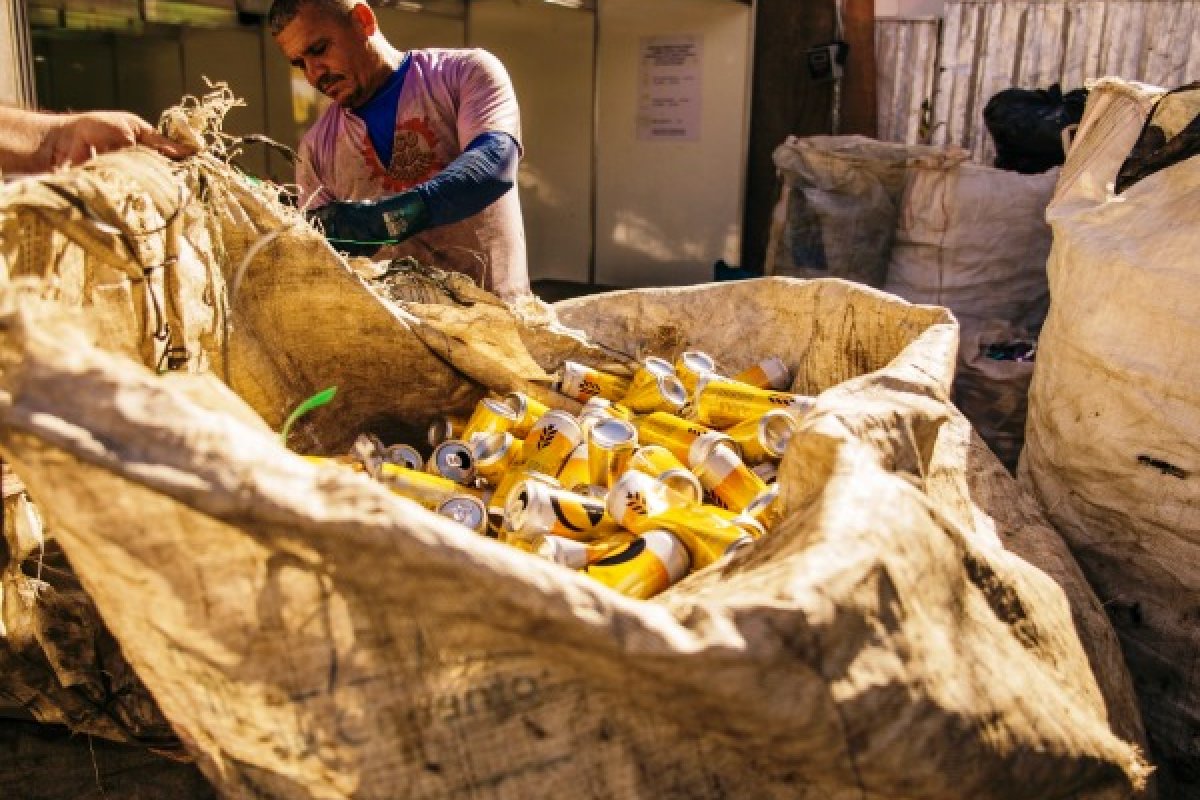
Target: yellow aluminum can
[576,474]
[551,441]
[669,431]
[693,365]
[578,555]
[582,383]
[650,564]
[770,373]
[651,387]
[428,490]
[765,438]
[405,455]
[659,462]
[443,428]
[490,416]
[498,499]
[495,455]
[648,373]
[467,510]
[662,393]
[768,471]
[452,459]
[610,445]
[640,503]
[767,508]
[535,509]
[527,411]
[722,404]
[724,474]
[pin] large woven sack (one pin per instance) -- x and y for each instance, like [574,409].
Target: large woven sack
[973,239]
[310,635]
[837,207]
[993,394]
[1113,439]
[189,267]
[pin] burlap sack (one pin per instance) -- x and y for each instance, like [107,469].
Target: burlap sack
[1114,411]
[40,762]
[838,202]
[993,393]
[310,635]
[973,239]
[164,260]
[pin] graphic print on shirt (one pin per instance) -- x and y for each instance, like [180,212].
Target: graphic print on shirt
[414,154]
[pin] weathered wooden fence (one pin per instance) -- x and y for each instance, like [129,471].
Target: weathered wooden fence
[935,77]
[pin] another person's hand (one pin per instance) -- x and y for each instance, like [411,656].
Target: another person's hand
[80,136]
[362,228]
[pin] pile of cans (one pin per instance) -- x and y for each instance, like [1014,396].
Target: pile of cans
[663,472]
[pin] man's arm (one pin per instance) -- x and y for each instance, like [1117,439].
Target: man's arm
[472,182]
[32,141]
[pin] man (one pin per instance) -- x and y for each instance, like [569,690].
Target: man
[417,155]
[32,141]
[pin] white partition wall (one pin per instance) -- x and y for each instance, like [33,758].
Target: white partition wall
[547,50]
[409,29]
[668,209]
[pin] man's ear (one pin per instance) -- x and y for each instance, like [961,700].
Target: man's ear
[364,18]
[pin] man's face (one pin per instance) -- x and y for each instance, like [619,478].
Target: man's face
[333,52]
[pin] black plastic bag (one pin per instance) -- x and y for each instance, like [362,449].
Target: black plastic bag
[1166,139]
[1027,126]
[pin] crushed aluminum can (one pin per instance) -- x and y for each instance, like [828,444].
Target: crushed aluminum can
[663,393]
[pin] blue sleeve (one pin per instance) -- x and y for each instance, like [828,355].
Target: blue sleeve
[473,181]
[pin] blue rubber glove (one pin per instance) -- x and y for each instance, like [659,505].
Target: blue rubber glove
[361,228]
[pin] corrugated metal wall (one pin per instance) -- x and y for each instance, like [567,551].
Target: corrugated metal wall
[988,45]
[906,59]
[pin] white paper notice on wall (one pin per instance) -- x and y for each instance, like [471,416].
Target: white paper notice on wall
[669,88]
